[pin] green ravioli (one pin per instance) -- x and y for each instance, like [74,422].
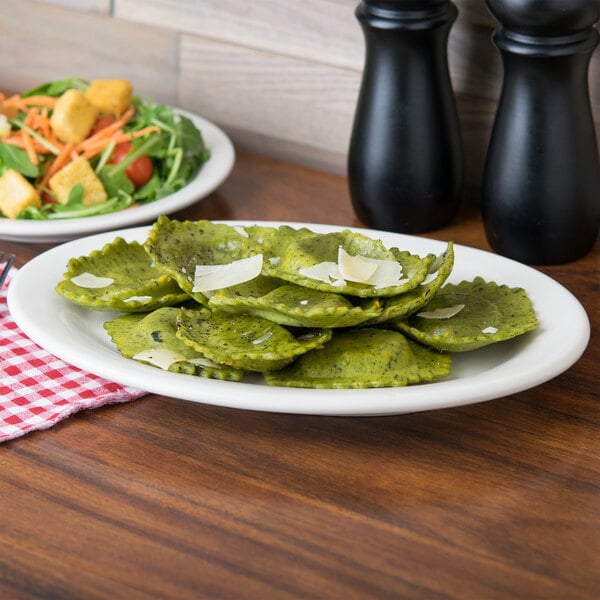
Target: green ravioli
[243,341]
[148,337]
[178,247]
[119,277]
[490,313]
[313,262]
[363,358]
[294,305]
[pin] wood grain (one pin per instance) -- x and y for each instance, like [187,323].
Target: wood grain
[161,498]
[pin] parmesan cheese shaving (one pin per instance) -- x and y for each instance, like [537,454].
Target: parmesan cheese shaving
[388,274]
[214,277]
[138,299]
[441,313]
[159,357]
[490,329]
[355,268]
[241,230]
[91,281]
[327,272]
[358,269]
[371,271]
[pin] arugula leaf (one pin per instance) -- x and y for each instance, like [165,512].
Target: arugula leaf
[57,88]
[115,180]
[15,158]
[192,142]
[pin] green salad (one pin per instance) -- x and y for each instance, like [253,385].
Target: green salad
[75,148]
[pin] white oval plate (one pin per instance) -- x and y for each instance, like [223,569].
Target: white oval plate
[76,335]
[213,172]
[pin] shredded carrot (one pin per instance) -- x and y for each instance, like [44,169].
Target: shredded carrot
[28,143]
[31,117]
[17,102]
[145,131]
[118,137]
[17,140]
[48,101]
[45,123]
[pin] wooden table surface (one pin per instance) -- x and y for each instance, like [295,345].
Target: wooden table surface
[164,498]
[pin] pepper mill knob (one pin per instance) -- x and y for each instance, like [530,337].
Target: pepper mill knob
[405,160]
[541,181]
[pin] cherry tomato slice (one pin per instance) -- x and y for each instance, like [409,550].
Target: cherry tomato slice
[139,171]
[119,152]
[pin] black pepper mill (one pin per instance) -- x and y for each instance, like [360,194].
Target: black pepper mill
[405,162]
[541,182]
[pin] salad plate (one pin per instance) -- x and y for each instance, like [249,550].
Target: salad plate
[77,336]
[212,173]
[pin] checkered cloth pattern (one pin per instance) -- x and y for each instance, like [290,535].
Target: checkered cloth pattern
[38,389]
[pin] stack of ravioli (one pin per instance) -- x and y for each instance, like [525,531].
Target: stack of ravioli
[300,308]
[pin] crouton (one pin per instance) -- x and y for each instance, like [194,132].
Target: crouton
[110,96]
[73,117]
[78,171]
[16,194]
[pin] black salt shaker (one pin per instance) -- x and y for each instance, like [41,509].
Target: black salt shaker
[541,181]
[405,161]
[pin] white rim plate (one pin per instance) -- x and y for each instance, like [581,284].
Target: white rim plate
[76,335]
[214,171]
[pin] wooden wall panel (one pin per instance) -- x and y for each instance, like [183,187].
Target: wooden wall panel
[295,106]
[322,31]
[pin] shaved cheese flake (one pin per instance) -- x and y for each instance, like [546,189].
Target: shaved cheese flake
[355,268]
[358,269]
[327,272]
[138,299]
[159,357]
[371,271]
[214,277]
[490,329]
[388,273]
[441,313]
[241,230]
[89,280]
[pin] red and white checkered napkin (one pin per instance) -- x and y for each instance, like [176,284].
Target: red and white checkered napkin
[37,389]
